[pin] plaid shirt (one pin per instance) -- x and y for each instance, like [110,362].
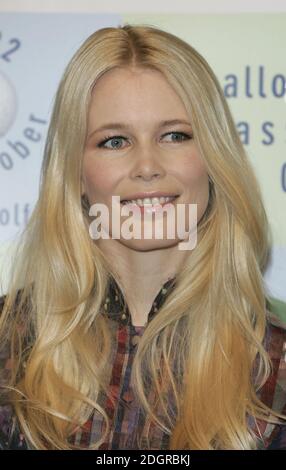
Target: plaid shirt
[126,417]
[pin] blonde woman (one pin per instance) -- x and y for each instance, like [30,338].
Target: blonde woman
[133,343]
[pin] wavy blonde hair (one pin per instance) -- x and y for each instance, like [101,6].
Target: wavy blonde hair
[202,345]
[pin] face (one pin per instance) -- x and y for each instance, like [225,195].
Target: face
[137,152]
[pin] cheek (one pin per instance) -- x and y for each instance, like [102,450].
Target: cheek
[99,178]
[193,174]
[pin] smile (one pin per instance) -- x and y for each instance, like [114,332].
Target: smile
[149,201]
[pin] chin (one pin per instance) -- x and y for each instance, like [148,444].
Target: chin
[149,245]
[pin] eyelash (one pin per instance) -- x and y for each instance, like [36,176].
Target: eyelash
[107,138]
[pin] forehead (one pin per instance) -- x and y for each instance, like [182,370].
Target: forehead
[134,92]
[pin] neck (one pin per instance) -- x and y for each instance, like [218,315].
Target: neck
[141,274]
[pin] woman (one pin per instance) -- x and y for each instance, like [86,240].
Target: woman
[124,343]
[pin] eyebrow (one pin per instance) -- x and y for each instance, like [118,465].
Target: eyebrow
[119,125]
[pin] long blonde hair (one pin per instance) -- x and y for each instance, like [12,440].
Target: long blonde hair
[202,345]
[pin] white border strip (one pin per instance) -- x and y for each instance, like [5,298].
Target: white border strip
[147,7]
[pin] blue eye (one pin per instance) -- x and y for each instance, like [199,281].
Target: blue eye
[107,139]
[117,138]
[180,134]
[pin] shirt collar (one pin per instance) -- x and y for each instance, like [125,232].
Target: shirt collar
[116,308]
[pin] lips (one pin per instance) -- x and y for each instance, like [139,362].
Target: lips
[148,194]
[171,197]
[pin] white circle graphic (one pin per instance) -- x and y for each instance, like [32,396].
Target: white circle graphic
[8,104]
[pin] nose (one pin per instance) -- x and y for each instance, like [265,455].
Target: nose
[147,165]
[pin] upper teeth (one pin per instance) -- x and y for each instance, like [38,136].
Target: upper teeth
[153,200]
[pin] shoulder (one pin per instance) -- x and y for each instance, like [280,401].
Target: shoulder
[275,345]
[273,393]
[6,412]
[5,341]
[276,317]
[10,435]
[275,336]
[276,320]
